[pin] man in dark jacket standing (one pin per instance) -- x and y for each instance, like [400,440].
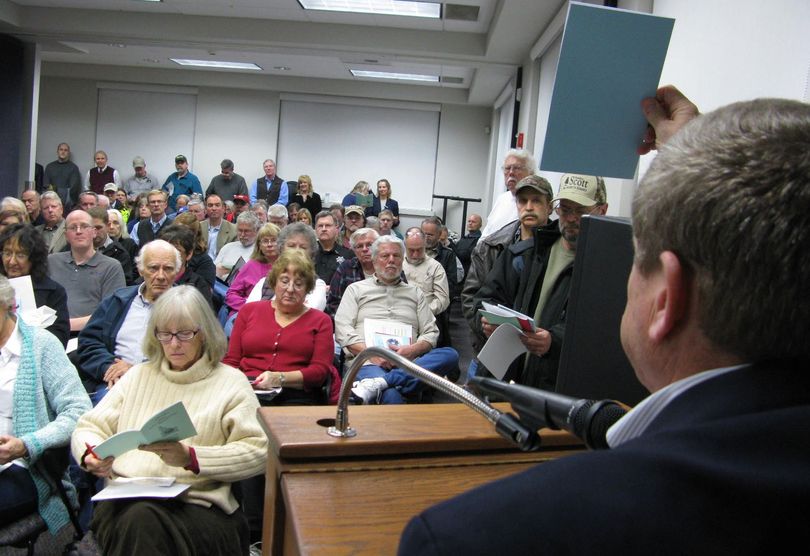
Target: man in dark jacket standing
[533,276]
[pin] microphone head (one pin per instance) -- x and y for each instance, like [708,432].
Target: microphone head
[598,418]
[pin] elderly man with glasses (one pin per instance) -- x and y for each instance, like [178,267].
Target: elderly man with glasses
[533,276]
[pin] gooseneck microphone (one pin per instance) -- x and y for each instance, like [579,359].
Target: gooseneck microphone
[588,420]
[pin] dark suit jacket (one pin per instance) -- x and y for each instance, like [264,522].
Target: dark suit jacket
[722,470]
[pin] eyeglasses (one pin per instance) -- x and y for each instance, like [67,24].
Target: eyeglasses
[181,335]
[268,241]
[21,257]
[514,168]
[569,211]
[285,283]
[77,227]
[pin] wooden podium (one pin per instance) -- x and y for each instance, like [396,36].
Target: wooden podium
[327,495]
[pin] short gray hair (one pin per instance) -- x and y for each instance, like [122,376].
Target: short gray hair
[382,240]
[728,195]
[249,218]
[298,229]
[278,211]
[184,306]
[362,232]
[154,246]
[51,196]
[8,298]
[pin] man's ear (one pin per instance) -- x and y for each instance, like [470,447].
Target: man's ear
[671,297]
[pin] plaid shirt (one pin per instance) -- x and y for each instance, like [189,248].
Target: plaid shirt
[349,272]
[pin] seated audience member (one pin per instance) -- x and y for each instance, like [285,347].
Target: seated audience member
[182,238]
[215,229]
[432,227]
[265,252]
[373,223]
[305,217]
[8,218]
[112,341]
[338,212]
[240,204]
[330,255]
[385,296]
[386,220]
[108,246]
[183,346]
[148,229]
[200,262]
[247,226]
[299,236]
[354,269]
[25,254]
[465,245]
[86,274]
[140,212]
[425,273]
[117,229]
[31,200]
[360,188]
[305,197]
[383,201]
[40,400]
[181,202]
[88,200]
[534,276]
[715,328]
[282,342]
[53,229]
[259,208]
[292,212]
[13,205]
[277,215]
[197,208]
[353,220]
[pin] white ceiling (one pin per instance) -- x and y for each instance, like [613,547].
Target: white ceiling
[132,40]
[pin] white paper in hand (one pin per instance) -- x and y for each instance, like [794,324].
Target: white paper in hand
[501,349]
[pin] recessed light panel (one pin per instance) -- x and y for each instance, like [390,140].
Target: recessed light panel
[378,7]
[216,64]
[391,75]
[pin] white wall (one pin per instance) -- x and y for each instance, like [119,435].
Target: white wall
[724,51]
[242,125]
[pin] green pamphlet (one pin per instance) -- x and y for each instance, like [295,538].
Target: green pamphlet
[170,425]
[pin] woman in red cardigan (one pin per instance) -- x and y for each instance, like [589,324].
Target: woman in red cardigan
[281,342]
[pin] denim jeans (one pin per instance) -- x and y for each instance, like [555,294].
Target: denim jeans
[441,361]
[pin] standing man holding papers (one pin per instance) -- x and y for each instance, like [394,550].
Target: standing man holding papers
[715,460]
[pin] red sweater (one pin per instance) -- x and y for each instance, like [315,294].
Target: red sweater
[259,344]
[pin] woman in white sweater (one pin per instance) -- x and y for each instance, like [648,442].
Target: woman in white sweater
[184,345]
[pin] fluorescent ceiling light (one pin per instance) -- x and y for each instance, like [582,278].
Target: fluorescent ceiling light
[216,64]
[377,7]
[390,75]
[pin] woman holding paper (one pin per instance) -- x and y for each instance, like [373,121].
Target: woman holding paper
[41,398]
[282,342]
[24,253]
[183,344]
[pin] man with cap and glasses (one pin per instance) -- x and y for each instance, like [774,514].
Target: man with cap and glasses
[141,181]
[533,276]
[181,182]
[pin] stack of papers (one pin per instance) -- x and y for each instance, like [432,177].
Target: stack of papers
[141,487]
[499,314]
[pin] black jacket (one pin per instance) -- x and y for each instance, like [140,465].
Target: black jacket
[515,281]
[51,293]
[118,252]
